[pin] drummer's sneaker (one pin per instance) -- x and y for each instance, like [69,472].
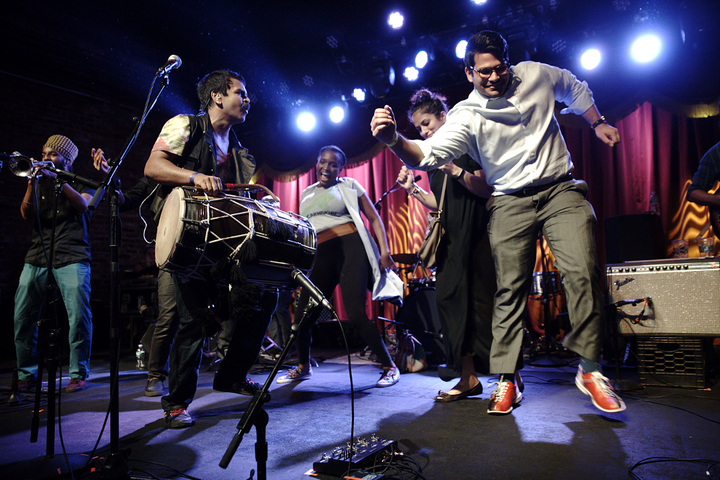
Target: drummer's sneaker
[178,418]
[296,373]
[505,396]
[597,386]
[241,387]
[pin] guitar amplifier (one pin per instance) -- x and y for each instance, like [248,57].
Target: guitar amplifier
[666,297]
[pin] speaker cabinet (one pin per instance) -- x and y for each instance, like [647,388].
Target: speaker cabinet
[633,237]
[666,297]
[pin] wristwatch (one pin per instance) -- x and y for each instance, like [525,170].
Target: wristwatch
[599,121]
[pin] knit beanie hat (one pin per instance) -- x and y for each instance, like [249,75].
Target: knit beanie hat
[64,146]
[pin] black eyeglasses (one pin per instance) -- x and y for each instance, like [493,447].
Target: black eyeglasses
[486,72]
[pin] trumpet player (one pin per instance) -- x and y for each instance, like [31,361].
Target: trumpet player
[70,262]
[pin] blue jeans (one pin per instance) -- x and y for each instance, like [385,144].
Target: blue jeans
[567,222]
[73,282]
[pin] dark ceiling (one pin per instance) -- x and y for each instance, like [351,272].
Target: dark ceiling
[112,50]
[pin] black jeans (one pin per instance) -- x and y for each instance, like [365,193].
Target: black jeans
[165,327]
[252,317]
[342,260]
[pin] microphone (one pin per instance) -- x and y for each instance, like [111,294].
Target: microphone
[172,63]
[315,292]
[417,178]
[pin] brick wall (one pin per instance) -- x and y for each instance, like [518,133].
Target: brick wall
[31,113]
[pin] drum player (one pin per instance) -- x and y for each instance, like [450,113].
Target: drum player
[203,151]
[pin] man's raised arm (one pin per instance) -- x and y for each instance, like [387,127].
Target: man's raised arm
[384,129]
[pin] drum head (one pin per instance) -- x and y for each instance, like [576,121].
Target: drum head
[170,227]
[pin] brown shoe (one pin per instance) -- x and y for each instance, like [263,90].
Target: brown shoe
[504,398]
[74,385]
[597,386]
[446,397]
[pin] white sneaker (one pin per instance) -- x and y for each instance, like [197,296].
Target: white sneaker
[388,378]
[294,374]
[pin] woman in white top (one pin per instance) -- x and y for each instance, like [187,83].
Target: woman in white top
[331,205]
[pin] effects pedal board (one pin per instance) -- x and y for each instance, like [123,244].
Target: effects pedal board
[362,453]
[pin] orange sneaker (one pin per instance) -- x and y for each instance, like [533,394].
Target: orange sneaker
[505,396]
[597,386]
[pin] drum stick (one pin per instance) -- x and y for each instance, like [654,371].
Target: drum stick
[250,186]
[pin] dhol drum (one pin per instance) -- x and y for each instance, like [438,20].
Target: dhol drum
[547,287]
[419,314]
[196,231]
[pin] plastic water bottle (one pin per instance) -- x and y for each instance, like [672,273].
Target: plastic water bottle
[140,356]
[654,204]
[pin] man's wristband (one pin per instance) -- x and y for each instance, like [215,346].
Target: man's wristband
[599,121]
[460,175]
[192,178]
[395,140]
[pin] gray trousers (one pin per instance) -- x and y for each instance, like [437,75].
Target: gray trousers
[567,221]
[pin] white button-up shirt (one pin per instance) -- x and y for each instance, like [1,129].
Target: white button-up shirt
[515,138]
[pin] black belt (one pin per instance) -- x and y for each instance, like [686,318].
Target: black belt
[528,191]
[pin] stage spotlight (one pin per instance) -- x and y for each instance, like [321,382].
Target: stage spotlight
[646,48]
[421,59]
[395,20]
[411,73]
[480,2]
[359,94]
[591,59]
[306,121]
[460,49]
[337,113]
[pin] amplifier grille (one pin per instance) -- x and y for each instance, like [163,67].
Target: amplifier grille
[684,296]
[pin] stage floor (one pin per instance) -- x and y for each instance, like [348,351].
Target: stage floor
[555,433]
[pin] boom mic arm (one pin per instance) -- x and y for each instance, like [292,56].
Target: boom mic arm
[315,292]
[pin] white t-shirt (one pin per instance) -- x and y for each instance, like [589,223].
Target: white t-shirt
[324,207]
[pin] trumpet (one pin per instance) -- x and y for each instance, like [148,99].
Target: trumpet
[22,166]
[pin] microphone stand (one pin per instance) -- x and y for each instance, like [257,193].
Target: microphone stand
[382,197]
[116,462]
[255,413]
[391,190]
[437,336]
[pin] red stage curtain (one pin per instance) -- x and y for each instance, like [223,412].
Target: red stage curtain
[659,151]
